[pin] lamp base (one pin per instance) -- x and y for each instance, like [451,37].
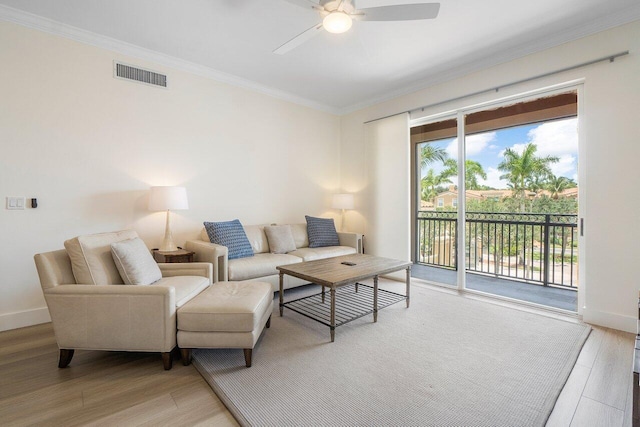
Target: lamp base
[167,242]
[343,226]
[168,246]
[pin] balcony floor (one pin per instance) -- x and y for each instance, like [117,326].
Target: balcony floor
[565,299]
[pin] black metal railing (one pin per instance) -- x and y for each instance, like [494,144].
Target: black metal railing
[537,248]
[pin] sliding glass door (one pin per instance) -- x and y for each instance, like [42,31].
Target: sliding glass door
[507,195]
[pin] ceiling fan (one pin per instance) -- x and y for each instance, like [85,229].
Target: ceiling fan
[338,15]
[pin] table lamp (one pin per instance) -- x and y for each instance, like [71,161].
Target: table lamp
[343,202]
[167,199]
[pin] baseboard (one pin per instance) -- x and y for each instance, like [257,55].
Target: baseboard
[25,318]
[610,320]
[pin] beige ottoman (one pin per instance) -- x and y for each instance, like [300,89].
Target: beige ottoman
[227,315]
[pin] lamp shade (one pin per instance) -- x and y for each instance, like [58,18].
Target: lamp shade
[168,198]
[342,201]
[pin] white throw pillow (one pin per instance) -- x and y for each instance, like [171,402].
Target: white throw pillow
[135,263]
[91,258]
[280,239]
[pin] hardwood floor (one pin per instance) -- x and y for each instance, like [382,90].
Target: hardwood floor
[99,387]
[598,391]
[114,388]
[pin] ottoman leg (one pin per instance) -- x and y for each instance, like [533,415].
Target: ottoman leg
[247,356]
[268,325]
[185,353]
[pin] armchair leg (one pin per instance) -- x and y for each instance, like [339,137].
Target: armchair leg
[65,358]
[247,356]
[167,360]
[185,353]
[268,325]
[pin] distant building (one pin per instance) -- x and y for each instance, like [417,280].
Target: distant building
[449,198]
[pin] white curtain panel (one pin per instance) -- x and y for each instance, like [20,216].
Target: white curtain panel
[387,198]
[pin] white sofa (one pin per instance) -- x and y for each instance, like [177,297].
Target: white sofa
[262,266]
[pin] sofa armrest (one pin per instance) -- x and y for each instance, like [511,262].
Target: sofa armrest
[353,240]
[204,269]
[113,317]
[217,255]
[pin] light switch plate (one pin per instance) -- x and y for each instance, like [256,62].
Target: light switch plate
[15,203]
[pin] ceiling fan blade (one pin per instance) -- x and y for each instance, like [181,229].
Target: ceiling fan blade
[400,12]
[307,4]
[299,39]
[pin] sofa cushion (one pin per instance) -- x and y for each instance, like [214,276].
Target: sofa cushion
[230,234]
[322,232]
[227,307]
[257,238]
[186,287]
[300,235]
[310,254]
[91,259]
[259,265]
[280,239]
[135,263]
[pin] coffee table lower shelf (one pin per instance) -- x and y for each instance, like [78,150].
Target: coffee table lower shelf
[352,302]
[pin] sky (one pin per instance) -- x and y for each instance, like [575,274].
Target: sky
[555,138]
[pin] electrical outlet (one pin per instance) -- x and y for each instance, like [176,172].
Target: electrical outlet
[15,203]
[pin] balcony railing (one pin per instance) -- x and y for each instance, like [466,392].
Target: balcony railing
[536,248]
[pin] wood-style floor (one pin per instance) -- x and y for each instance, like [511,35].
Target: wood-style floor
[99,387]
[113,388]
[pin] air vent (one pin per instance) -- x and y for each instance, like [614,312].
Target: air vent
[127,72]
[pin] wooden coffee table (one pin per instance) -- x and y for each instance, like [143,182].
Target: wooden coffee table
[343,273]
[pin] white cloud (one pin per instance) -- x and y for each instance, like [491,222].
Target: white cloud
[452,149]
[474,144]
[557,138]
[493,179]
[565,167]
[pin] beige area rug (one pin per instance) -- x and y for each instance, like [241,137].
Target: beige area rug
[445,361]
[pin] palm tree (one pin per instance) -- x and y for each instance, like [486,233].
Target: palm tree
[473,171]
[430,153]
[557,184]
[524,169]
[430,182]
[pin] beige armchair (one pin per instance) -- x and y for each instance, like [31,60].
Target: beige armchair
[102,313]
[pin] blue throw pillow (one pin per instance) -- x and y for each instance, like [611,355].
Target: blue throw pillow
[322,232]
[230,234]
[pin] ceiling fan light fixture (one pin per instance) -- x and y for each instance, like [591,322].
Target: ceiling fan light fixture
[337,22]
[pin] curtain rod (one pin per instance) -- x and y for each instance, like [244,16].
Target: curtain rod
[609,58]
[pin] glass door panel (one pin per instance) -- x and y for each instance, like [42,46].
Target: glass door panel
[521,212]
[435,219]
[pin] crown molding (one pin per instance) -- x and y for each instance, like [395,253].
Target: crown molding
[455,71]
[451,72]
[50,26]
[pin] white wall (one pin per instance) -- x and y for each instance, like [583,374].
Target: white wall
[89,146]
[610,131]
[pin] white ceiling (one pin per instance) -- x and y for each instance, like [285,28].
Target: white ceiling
[233,40]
